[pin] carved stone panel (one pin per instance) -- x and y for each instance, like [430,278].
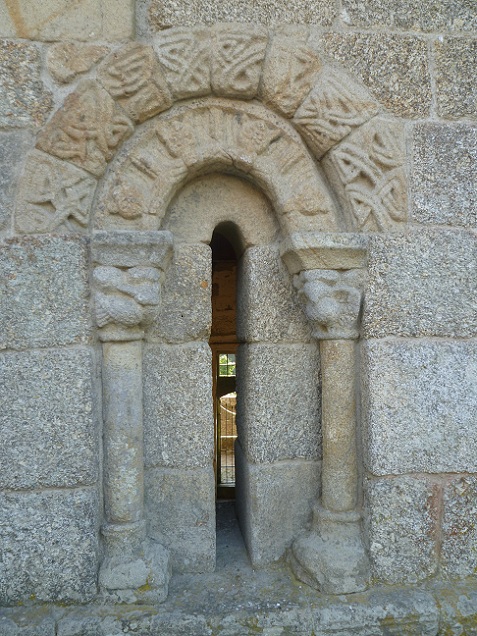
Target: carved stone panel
[185,57]
[288,74]
[123,297]
[211,136]
[368,172]
[54,196]
[238,51]
[133,77]
[87,130]
[332,301]
[335,106]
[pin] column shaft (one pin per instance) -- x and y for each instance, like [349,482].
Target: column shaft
[123,431]
[339,471]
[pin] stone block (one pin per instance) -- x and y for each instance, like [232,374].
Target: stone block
[459,531]
[419,406]
[24,101]
[407,15]
[27,622]
[63,20]
[455,61]
[278,402]
[180,511]
[156,15]
[444,190]
[421,284]
[457,602]
[44,299]
[185,313]
[178,410]
[65,61]
[49,545]
[274,504]
[269,310]
[401,516]
[13,148]
[48,424]
[394,68]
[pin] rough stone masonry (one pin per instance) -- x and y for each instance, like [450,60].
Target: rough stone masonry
[333,143]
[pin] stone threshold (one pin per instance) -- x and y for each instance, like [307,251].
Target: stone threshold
[237,600]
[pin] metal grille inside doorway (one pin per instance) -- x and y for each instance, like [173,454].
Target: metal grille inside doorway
[226,419]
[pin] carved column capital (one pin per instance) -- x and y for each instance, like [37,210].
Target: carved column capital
[127,274]
[332,301]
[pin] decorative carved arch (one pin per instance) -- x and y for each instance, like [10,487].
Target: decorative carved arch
[360,149]
[315,131]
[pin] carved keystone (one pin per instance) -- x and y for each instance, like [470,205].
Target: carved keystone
[133,77]
[332,302]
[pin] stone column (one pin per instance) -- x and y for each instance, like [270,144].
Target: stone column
[127,279]
[331,556]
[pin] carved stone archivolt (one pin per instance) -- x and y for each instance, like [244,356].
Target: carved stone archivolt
[314,112]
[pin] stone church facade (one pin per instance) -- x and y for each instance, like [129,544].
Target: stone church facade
[333,145]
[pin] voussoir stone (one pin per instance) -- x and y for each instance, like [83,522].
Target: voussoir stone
[444,189]
[44,300]
[418,398]
[178,410]
[401,516]
[66,60]
[49,545]
[48,420]
[24,100]
[421,284]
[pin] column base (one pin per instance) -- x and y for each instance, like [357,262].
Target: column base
[331,557]
[135,570]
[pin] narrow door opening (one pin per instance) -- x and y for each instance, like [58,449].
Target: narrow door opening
[223,342]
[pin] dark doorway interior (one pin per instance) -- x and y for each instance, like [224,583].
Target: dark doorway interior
[223,342]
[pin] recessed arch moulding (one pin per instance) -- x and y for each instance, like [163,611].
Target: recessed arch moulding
[252,104]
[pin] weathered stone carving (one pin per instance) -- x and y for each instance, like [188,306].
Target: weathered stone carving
[217,135]
[185,56]
[368,169]
[66,60]
[335,106]
[332,302]
[288,73]
[55,196]
[133,77]
[238,51]
[87,130]
[123,296]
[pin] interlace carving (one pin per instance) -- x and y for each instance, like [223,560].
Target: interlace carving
[288,74]
[238,54]
[87,130]
[185,56]
[124,297]
[56,195]
[335,106]
[134,78]
[370,166]
[332,301]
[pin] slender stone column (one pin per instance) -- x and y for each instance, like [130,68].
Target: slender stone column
[126,280]
[331,557]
